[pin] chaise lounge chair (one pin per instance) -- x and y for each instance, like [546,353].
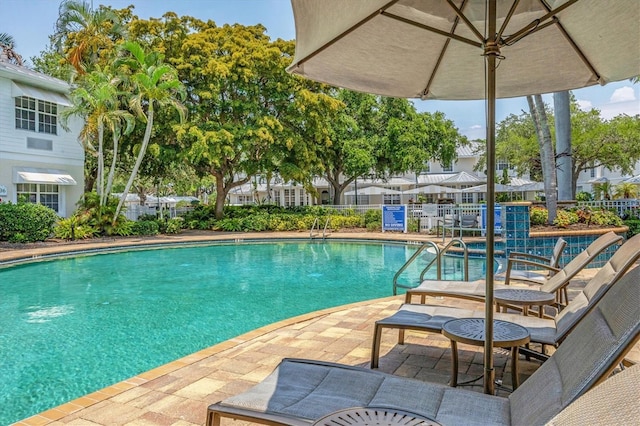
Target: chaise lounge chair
[533,261]
[299,392]
[430,318]
[616,401]
[475,290]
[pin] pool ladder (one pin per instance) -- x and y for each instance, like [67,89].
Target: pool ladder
[437,260]
[316,222]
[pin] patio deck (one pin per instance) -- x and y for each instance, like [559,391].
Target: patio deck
[178,393]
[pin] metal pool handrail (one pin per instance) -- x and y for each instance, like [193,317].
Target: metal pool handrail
[412,259]
[465,255]
[437,260]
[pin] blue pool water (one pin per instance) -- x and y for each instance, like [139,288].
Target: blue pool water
[71,326]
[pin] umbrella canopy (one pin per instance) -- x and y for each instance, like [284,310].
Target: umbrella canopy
[635,180]
[432,189]
[467,49]
[373,190]
[497,188]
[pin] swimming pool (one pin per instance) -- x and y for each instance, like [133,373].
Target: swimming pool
[71,326]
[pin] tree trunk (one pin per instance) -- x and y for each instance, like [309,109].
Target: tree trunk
[100,188]
[112,169]
[136,167]
[561,108]
[89,176]
[220,199]
[547,156]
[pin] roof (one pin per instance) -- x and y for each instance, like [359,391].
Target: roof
[31,77]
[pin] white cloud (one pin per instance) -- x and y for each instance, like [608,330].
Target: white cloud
[585,105]
[623,94]
[610,110]
[476,127]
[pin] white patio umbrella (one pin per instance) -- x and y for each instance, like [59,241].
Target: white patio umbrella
[634,180]
[498,187]
[373,190]
[432,189]
[467,49]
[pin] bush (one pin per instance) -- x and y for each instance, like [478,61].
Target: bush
[373,216]
[634,227]
[73,228]
[584,196]
[606,217]
[145,227]
[26,222]
[174,226]
[564,218]
[539,216]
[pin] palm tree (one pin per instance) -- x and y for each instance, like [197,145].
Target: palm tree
[625,190]
[7,47]
[81,32]
[153,83]
[97,99]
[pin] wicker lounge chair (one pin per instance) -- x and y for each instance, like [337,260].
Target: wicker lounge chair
[545,331]
[475,290]
[533,261]
[299,392]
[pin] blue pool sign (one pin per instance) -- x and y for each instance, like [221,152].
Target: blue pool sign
[394,218]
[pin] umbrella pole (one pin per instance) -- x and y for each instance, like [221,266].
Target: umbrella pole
[491,52]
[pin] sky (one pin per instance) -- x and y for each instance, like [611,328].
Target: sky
[30,22]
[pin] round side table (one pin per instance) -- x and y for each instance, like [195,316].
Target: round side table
[374,416]
[471,331]
[523,297]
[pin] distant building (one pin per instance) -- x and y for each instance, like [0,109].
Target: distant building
[40,162]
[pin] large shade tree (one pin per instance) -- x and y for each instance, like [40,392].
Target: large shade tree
[247,115]
[595,142]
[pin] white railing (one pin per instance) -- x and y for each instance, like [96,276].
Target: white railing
[620,206]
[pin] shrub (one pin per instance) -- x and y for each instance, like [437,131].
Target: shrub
[564,218]
[374,216]
[539,216]
[374,225]
[145,227]
[73,228]
[174,226]
[584,196]
[606,217]
[634,227]
[26,222]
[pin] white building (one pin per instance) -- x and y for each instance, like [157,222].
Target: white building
[40,162]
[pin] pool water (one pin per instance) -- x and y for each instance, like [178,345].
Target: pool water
[71,326]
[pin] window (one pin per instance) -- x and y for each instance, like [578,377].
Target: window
[45,194]
[467,197]
[593,172]
[289,197]
[31,112]
[502,165]
[427,168]
[245,199]
[447,167]
[391,199]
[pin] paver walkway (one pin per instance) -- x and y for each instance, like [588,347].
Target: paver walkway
[179,393]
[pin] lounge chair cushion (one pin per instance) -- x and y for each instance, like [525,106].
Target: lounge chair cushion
[312,389]
[431,318]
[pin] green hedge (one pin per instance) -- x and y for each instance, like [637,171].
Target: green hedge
[26,222]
